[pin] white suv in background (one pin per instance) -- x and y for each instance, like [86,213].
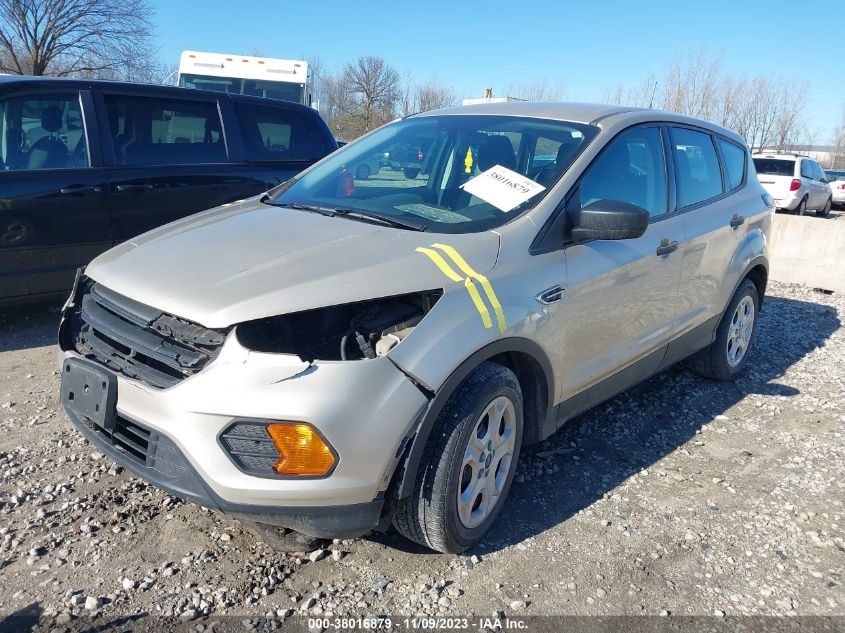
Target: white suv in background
[797,183]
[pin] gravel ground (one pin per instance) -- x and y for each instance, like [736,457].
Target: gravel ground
[680,497]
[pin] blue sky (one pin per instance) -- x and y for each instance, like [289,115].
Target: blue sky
[588,47]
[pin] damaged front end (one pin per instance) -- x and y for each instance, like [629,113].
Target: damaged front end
[351,331]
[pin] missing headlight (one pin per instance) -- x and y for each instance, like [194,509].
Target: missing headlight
[352,331]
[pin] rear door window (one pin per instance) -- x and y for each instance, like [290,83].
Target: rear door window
[163,131]
[630,169]
[42,131]
[734,157]
[275,133]
[698,174]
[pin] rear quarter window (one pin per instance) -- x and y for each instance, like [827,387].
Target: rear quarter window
[275,133]
[734,157]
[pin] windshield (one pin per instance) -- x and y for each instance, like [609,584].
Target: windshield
[774,166]
[286,91]
[835,176]
[428,170]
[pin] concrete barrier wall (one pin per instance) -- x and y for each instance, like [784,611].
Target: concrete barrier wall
[809,251]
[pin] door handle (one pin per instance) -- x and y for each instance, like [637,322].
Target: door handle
[76,189]
[550,295]
[667,246]
[136,188]
[737,220]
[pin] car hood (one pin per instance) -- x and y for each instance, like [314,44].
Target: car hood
[250,260]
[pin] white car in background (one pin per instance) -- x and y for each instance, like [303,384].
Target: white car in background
[836,181]
[797,183]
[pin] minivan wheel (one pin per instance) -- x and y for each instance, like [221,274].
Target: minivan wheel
[801,209]
[825,210]
[726,356]
[468,465]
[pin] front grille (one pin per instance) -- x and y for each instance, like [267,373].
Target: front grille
[134,339]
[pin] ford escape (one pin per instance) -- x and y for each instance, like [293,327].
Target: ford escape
[341,353]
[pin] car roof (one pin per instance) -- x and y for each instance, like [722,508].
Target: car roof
[29,80]
[576,112]
[779,156]
[562,111]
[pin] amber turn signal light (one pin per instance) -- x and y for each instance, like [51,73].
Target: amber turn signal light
[301,450]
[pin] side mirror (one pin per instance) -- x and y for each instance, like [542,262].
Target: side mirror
[609,220]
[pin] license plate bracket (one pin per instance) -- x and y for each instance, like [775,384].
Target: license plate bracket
[90,392]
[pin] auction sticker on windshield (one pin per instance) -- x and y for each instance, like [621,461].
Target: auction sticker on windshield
[502,187]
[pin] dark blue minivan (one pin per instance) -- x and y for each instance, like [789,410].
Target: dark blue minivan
[87,164]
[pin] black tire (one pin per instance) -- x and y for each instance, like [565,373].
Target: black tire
[801,209]
[825,210]
[712,361]
[362,172]
[411,172]
[429,515]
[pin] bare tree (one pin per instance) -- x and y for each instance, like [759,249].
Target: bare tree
[430,95]
[73,37]
[536,90]
[373,90]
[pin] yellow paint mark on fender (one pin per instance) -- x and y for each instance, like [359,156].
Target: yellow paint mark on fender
[485,283]
[438,260]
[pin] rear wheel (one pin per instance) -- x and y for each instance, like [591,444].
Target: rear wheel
[411,172]
[726,356]
[468,465]
[801,209]
[362,172]
[825,210]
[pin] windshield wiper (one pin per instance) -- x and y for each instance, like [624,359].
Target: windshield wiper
[378,218]
[352,214]
[303,207]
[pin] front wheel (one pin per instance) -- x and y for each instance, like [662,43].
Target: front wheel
[468,465]
[726,356]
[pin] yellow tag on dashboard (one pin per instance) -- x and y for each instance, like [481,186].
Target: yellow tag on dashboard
[468,161]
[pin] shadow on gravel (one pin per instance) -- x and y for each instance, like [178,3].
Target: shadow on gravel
[24,619]
[26,326]
[598,450]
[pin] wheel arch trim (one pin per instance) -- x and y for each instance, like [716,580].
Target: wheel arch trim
[436,404]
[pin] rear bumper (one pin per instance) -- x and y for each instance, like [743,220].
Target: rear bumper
[166,467]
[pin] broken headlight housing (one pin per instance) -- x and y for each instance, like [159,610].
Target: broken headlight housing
[351,331]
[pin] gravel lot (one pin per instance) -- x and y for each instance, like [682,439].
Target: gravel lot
[679,497]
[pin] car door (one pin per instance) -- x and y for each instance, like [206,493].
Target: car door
[281,140]
[710,175]
[54,213]
[168,157]
[620,295]
[821,186]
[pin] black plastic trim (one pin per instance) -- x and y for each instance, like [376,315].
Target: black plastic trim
[343,521]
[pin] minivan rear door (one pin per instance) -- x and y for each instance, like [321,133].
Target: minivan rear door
[54,214]
[776,175]
[167,157]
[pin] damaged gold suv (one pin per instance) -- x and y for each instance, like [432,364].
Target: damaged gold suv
[344,353]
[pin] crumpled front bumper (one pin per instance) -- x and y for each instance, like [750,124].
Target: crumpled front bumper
[365,409]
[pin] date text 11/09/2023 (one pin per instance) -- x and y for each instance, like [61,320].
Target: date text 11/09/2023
[384,623]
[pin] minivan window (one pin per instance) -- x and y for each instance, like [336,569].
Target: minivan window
[42,132]
[162,131]
[818,174]
[775,166]
[734,157]
[806,169]
[699,176]
[273,133]
[631,169]
[429,161]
